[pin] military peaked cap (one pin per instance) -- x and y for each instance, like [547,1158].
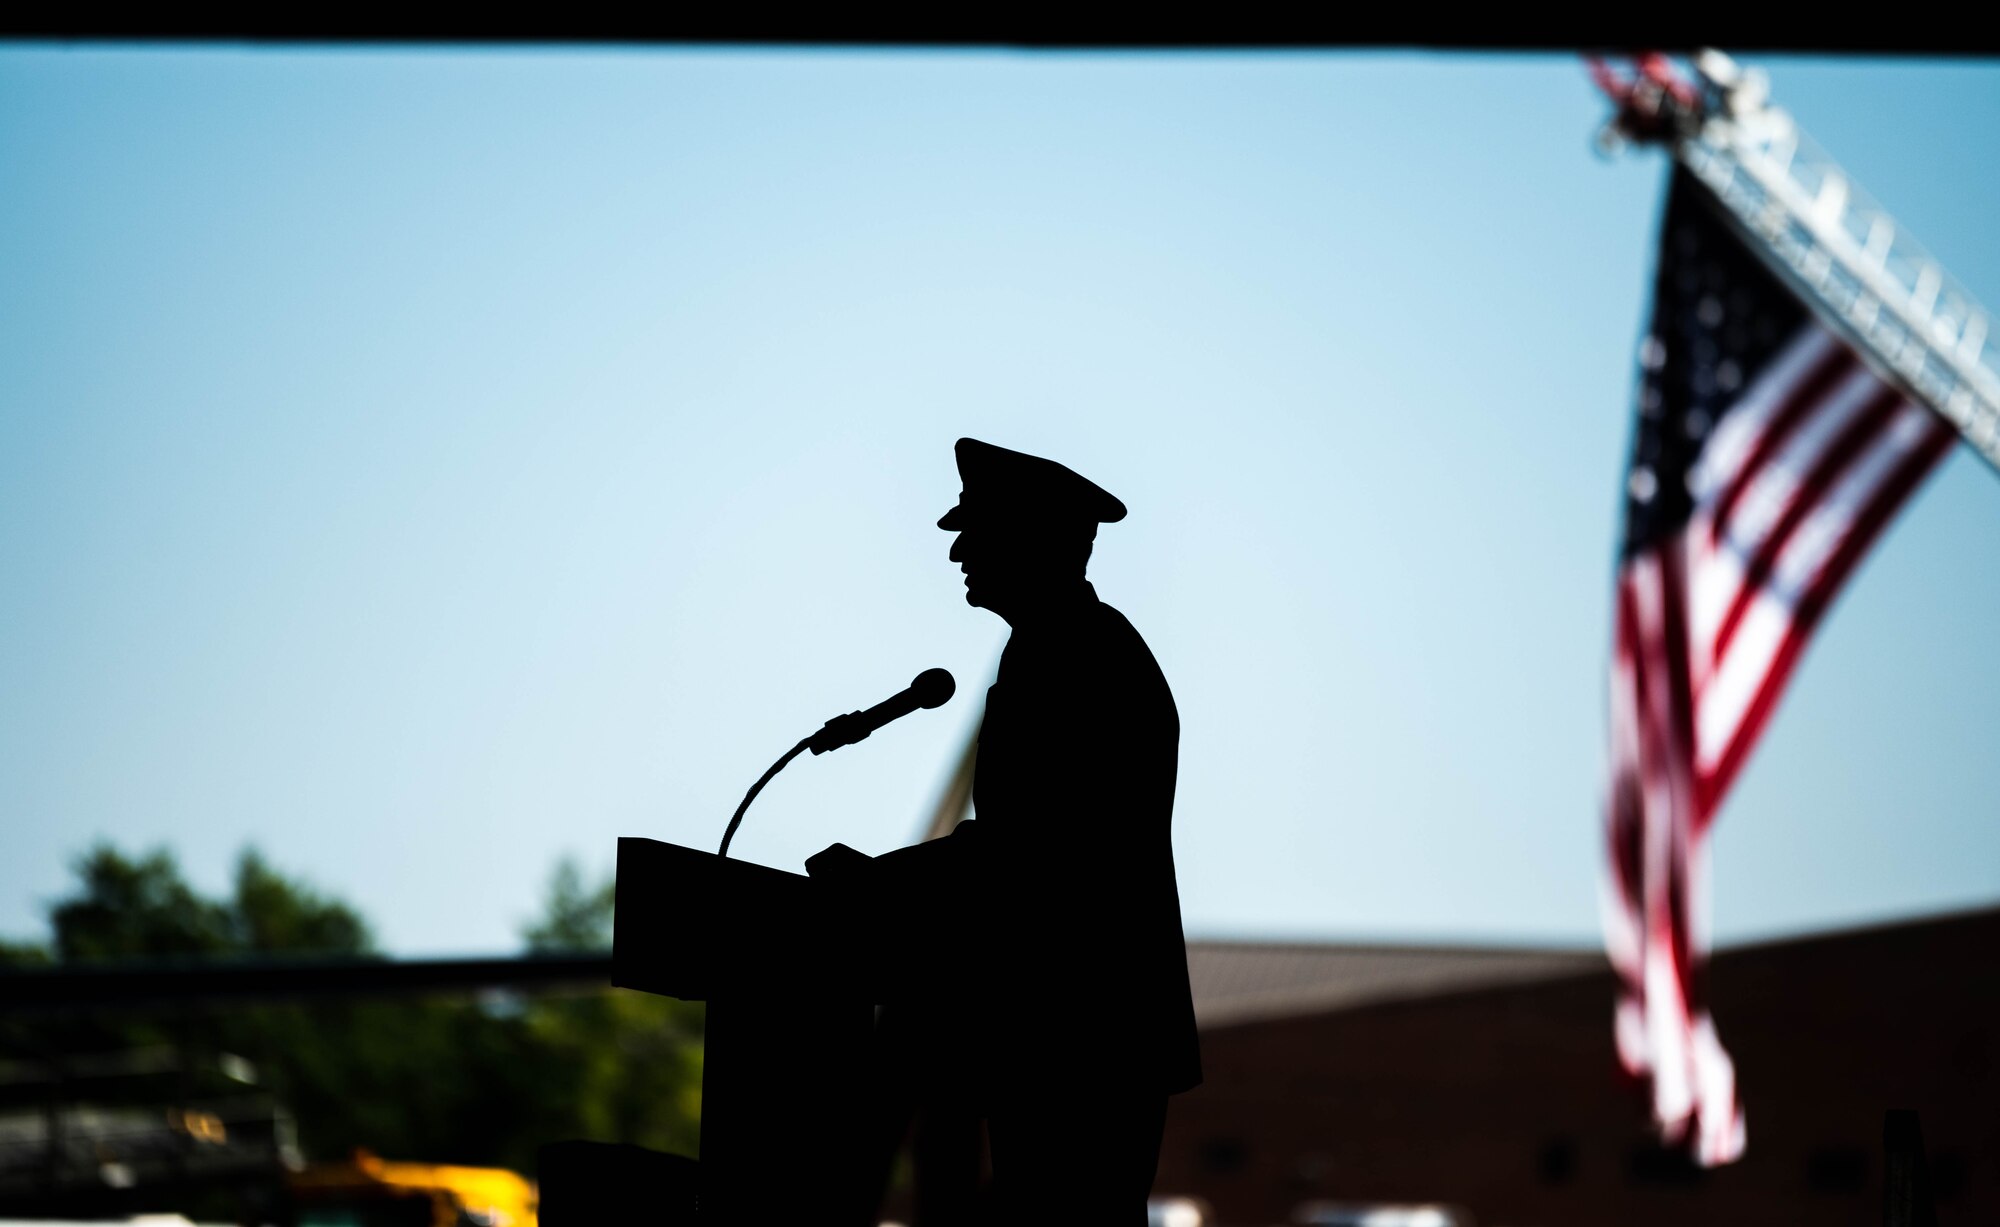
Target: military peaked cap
[1007,486]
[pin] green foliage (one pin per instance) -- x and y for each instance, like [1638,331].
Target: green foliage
[23,954]
[140,908]
[443,1080]
[272,914]
[127,908]
[576,917]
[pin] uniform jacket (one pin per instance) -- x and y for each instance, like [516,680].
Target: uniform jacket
[1050,941]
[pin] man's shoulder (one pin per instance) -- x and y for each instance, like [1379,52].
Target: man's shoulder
[1120,652]
[1097,641]
[1116,632]
[1095,666]
[1114,621]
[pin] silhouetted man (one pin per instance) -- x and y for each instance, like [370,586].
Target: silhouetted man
[1050,972]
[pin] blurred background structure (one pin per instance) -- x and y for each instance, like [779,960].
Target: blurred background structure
[191,1053]
[409,461]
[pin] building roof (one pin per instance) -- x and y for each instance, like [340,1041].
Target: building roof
[1243,981]
[1238,982]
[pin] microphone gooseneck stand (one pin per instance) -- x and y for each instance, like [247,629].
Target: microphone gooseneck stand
[931,688]
[737,819]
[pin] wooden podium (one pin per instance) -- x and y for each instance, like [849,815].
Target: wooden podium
[786,1132]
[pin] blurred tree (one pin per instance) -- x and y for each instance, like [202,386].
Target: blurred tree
[447,1080]
[23,954]
[272,913]
[127,908]
[631,1061]
[576,917]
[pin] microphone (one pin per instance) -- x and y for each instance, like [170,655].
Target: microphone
[931,688]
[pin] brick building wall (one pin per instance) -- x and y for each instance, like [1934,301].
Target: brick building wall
[1499,1093]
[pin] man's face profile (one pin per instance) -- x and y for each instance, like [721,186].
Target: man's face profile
[981,572]
[1003,564]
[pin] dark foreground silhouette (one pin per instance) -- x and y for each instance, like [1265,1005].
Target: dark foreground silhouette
[1026,973]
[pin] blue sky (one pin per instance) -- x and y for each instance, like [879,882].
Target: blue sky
[425,464]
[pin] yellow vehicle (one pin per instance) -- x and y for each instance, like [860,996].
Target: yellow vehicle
[372,1192]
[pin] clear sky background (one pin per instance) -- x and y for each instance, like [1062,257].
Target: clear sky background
[425,464]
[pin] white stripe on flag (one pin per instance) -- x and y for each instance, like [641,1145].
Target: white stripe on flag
[1720,706]
[1721,1133]
[1776,483]
[1737,434]
[1833,517]
[1724,697]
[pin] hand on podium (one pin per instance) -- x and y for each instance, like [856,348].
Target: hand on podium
[839,864]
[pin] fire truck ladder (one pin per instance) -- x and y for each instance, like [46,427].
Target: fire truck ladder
[1840,250]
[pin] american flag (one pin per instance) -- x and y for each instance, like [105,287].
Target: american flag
[1768,456]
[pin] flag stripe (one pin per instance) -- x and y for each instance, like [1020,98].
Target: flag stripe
[1770,391]
[1851,435]
[1813,542]
[1798,403]
[1774,486]
[1801,569]
[1720,575]
[1805,618]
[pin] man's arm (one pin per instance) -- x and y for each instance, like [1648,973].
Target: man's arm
[936,867]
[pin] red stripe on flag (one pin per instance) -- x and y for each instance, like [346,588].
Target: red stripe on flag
[1867,426]
[1804,395]
[1817,596]
[1628,807]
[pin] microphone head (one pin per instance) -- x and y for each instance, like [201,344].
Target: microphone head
[933,688]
